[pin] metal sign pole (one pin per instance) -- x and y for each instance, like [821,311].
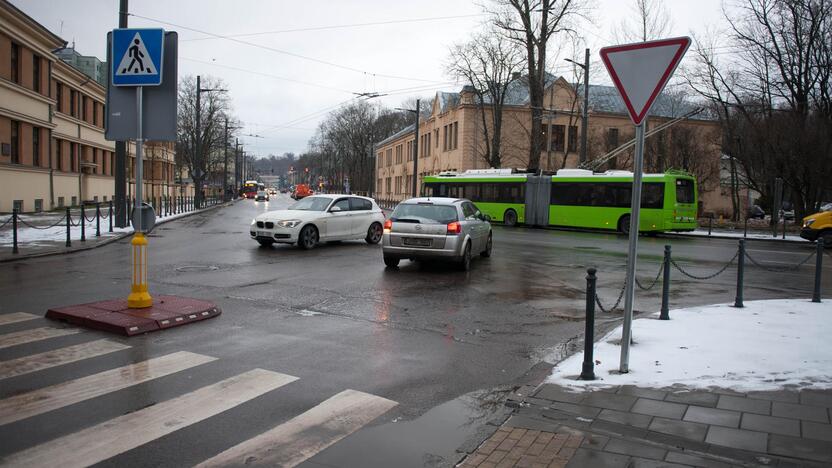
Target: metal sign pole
[139,296]
[635,208]
[137,226]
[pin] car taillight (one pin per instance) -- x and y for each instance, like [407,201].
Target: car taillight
[388,225]
[454,228]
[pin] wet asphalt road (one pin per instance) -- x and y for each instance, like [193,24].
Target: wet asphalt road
[441,343]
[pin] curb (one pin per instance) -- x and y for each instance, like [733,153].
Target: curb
[109,240]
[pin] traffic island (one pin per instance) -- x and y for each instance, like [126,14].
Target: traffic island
[115,316]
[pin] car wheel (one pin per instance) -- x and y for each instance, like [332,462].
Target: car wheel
[487,252]
[391,262]
[465,261]
[510,218]
[308,238]
[374,233]
[624,225]
[265,242]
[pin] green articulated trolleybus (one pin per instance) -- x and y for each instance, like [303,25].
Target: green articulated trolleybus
[574,198]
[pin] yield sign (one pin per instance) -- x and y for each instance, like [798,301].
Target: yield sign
[640,71]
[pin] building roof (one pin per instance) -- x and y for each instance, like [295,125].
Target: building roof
[404,131]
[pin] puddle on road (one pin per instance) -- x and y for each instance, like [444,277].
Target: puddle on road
[430,440]
[308,313]
[193,268]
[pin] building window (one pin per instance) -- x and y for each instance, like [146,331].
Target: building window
[456,135]
[15,63]
[15,143]
[390,157]
[436,137]
[74,200]
[59,96]
[380,157]
[18,205]
[558,137]
[378,185]
[409,150]
[398,154]
[60,202]
[59,160]
[612,138]
[445,138]
[38,204]
[72,157]
[36,73]
[387,184]
[95,161]
[35,146]
[84,101]
[73,103]
[95,113]
[573,138]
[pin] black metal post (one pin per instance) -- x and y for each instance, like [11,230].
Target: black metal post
[740,273]
[97,220]
[68,224]
[588,367]
[818,270]
[710,224]
[745,228]
[665,312]
[83,224]
[14,230]
[161,208]
[784,228]
[110,215]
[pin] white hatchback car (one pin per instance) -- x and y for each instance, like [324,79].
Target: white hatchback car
[320,218]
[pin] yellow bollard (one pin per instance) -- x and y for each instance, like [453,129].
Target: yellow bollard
[139,297]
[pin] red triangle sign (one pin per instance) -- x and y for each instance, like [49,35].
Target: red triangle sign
[640,71]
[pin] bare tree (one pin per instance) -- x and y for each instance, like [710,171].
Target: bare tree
[773,95]
[489,63]
[532,24]
[650,20]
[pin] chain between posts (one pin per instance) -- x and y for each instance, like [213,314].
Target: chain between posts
[706,277]
[780,270]
[655,281]
[617,301]
[23,221]
[9,220]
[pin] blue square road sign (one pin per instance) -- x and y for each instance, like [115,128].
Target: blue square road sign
[137,57]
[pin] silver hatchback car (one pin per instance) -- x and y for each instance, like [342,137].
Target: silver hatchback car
[431,228]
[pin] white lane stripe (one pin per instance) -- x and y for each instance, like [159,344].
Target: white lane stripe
[35,334]
[297,440]
[110,438]
[16,317]
[58,357]
[40,401]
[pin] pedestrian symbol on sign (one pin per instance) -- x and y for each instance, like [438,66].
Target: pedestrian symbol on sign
[136,59]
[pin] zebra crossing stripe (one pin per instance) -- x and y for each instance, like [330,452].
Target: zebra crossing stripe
[35,334]
[58,357]
[40,401]
[15,317]
[299,439]
[110,438]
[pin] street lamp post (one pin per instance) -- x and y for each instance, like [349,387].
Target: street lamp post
[585,106]
[198,149]
[415,190]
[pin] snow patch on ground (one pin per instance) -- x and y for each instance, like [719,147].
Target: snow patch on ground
[738,234]
[764,346]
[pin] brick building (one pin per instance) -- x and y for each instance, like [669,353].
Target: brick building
[451,138]
[52,147]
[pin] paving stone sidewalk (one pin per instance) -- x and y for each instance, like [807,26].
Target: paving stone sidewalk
[630,426]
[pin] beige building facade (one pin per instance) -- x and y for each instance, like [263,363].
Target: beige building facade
[52,147]
[452,138]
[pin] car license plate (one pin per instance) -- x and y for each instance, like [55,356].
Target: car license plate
[264,234]
[416,242]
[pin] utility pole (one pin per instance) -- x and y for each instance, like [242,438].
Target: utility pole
[236,165]
[584,107]
[225,168]
[415,190]
[120,168]
[197,151]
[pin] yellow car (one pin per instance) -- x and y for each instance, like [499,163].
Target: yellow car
[818,225]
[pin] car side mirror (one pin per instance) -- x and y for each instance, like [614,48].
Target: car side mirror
[486,218]
[335,209]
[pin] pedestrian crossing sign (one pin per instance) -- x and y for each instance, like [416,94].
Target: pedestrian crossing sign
[137,57]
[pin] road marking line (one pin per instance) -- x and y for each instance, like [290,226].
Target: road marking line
[15,317]
[302,437]
[58,357]
[110,438]
[35,334]
[40,401]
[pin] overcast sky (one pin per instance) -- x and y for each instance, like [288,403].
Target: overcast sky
[273,86]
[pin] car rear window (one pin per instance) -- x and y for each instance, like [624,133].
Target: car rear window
[424,213]
[684,191]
